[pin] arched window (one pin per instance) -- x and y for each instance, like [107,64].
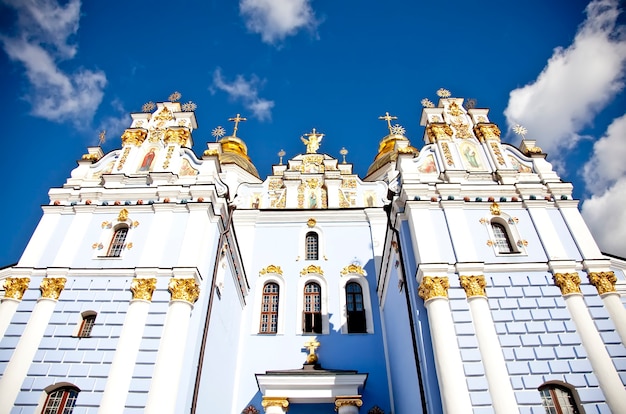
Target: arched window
[312,246]
[354,308]
[88,319]
[312,314]
[501,238]
[559,398]
[269,309]
[60,400]
[117,242]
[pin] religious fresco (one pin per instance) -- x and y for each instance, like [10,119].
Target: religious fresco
[148,159]
[518,165]
[427,165]
[186,169]
[471,157]
[106,170]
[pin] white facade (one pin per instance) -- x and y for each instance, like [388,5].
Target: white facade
[459,278]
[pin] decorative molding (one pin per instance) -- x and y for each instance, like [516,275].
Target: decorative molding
[603,281]
[311,222]
[494,209]
[275,402]
[271,269]
[251,409]
[473,285]
[143,288]
[432,287]
[176,136]
[439,131]
[311,269]
[184,289]
[134,136]
[568,282]
[487,131]
[14,287]
[353,401]
[353,268]
[51,287]
[123,215]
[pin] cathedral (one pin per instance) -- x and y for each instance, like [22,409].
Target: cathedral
[457,276]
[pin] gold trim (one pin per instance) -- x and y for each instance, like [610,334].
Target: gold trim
[178,136]
[14,287]
[311,222]
[432,287]
[495,209]
[123,215]
[51,287]
[312,269]
[487,131]
[143,288]
[134,136]
[568,282]
[184,289]
[603,281]
[473,285]
[351,401]
[275,402]
[352,268]
[271,269]
[439,131]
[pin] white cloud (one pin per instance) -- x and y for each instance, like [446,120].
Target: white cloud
[246,92]
[113,125]
[274,20]
[607,164]
[41,42]
[576,84]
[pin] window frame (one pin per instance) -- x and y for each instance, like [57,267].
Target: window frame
[69,392]
[568,389]
[116,246]
[508,225]
[302,243]
[308,251]
[316,314]
[86,323]
[302,282]
[271,312]
[367,302]
[255,325]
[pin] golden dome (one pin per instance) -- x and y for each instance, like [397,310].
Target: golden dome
[234,151]
[388,151]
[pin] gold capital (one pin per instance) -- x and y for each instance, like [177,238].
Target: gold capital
[568,282]
[438,131]
[275,402]
[487,131]
[143,288]
[51,287]
[432,287]
[603,281]
[176,136]
[184,289]
[14,287]
[134,136]
[352,401]
[473,285]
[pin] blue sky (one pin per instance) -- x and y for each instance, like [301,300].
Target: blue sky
[71,69]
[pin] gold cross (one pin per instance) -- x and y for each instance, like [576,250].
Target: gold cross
[102,138]
[237,119]
[388,118]
[312,345]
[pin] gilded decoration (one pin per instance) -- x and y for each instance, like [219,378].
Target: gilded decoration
[343,201]
[177,136]
[433,287]
[454,109]
[271,269]
[184,289]
[354,401]
[168,156]
[275,184]
[311,222]
[164,115]
[473,285]
[348,183]
[447,153]
[134,136]
[533,150]
[568,282]
[143,288]
[497,152]
[353,269]
[313,141]
[312,164]
[603,281]
[312,346]
[51,287]
[14,287]
[439,131]
[487,131]
[495,209]
[210,152]
[123,215]
[462,130]
[275,402]
[90,157]
[311,269]
[123,158]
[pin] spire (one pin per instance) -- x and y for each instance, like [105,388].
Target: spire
[391,144]
[234,150]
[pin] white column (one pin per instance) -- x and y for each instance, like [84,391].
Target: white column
[450,375]
[348,404]
[121,371]
[275,405]
[500,388]
[168,366]
[14,288]
[605,283]
[24,352]
[601,362]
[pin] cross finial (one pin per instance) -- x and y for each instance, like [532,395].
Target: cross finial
[388,118]
[236,120]
[311,345]
[281,154]
[102,137]
[343,151]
